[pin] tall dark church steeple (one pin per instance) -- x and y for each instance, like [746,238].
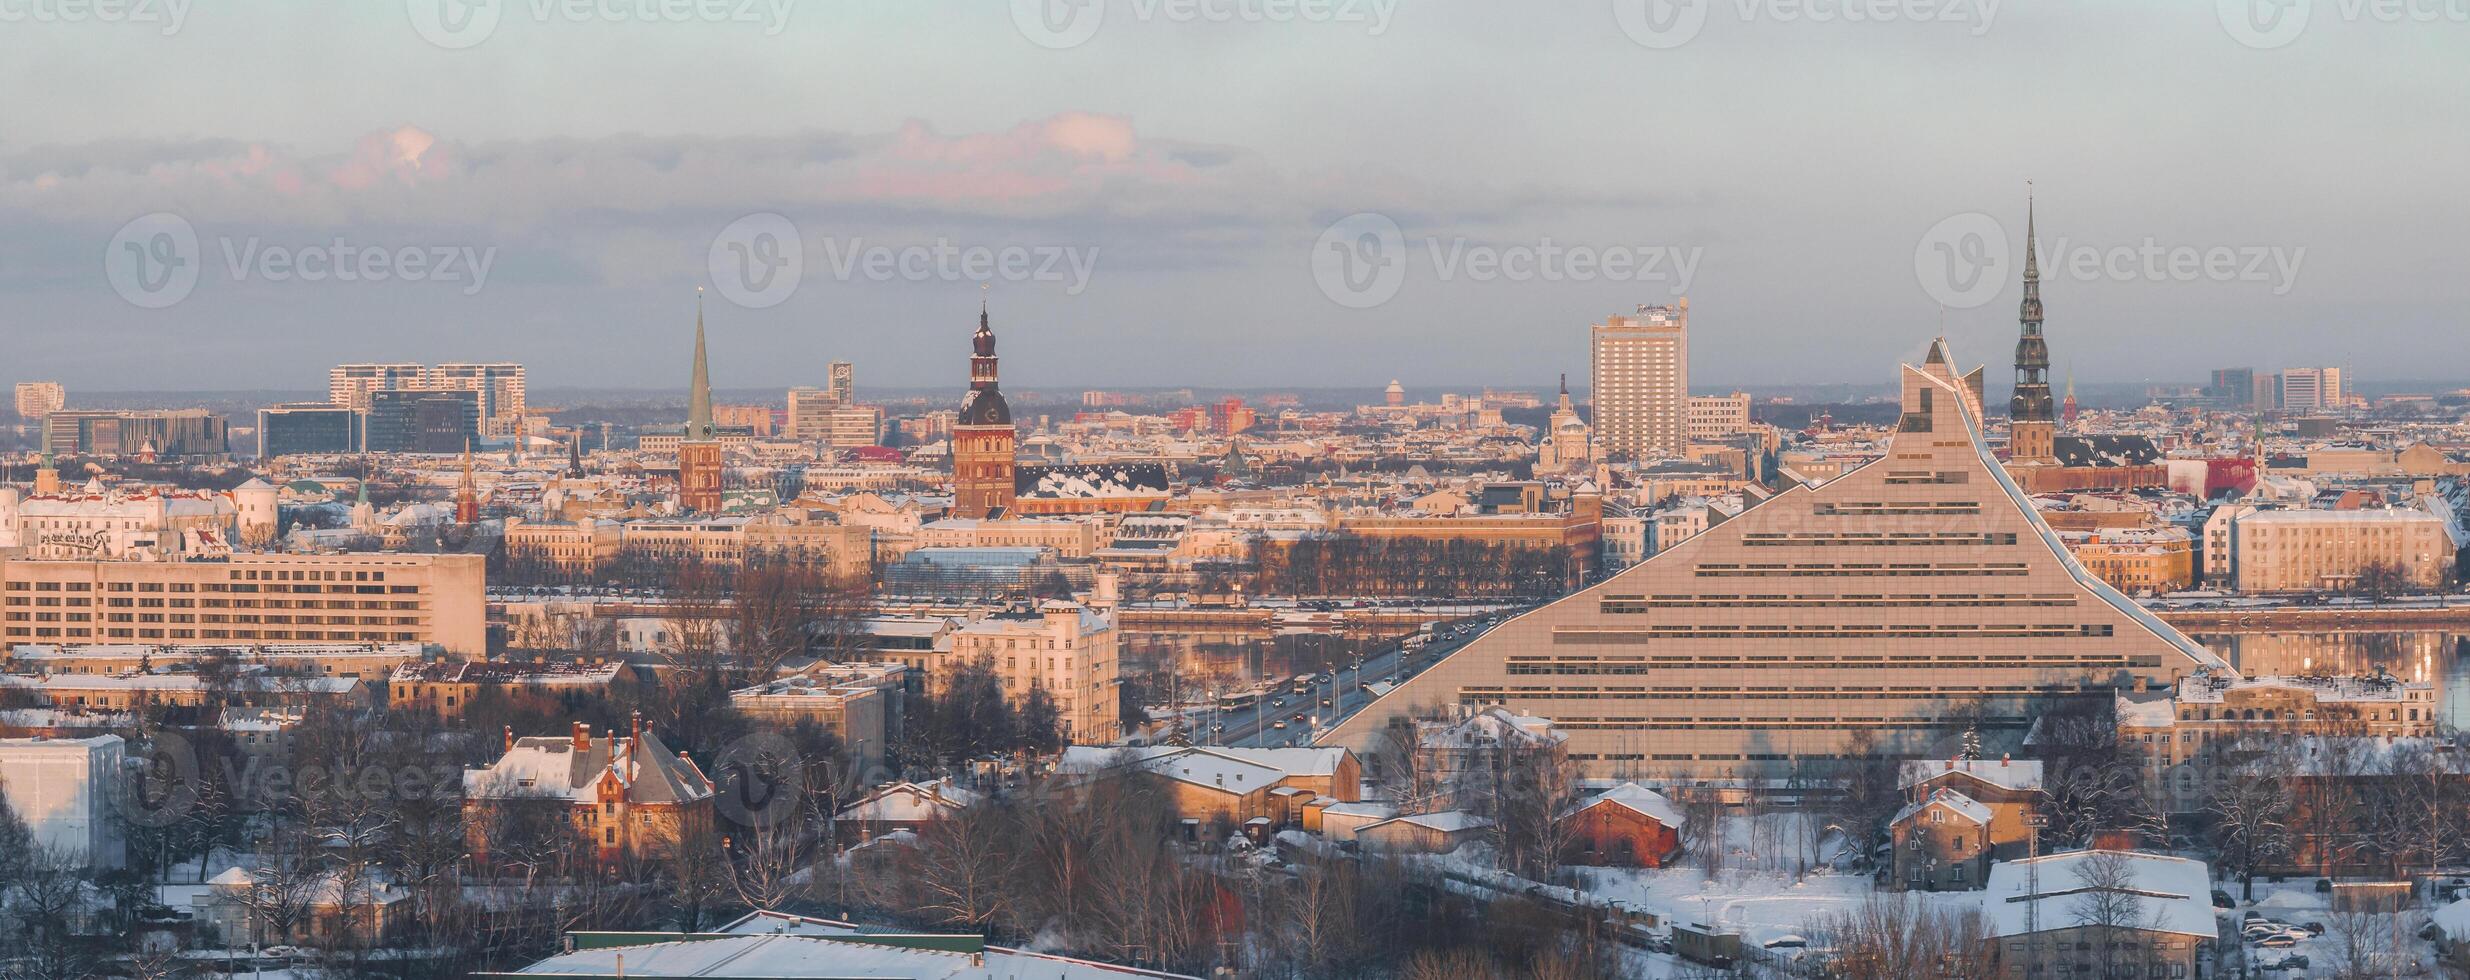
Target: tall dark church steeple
[699,427]
[2031,411]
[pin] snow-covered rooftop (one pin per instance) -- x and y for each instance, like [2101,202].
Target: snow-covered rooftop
[2173,894]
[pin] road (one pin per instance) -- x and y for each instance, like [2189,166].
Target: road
[1257,727]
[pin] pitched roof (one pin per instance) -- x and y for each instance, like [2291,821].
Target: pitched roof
[1639,799]
[552,767]
[1971,809]
[2174,893]
[2012,774]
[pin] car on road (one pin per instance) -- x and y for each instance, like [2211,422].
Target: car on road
[1280,724]
[2294,961]
[2278,940]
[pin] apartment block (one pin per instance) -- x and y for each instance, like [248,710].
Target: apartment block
[348,598]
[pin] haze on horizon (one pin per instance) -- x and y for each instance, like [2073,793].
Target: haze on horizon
[1177,174]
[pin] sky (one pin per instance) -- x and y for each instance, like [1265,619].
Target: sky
[1223,192]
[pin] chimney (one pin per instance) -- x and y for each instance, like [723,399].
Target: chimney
[2002,760]
[510,738]
[582,737]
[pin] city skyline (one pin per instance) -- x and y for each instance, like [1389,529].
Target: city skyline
[1161,240]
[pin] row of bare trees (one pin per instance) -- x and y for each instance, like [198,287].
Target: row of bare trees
[1101,867]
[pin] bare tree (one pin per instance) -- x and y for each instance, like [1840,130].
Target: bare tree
[45,894]
[964,866]
[2112,907]
[1871,794]
[1704,826]
[2250,822]
[1894,937]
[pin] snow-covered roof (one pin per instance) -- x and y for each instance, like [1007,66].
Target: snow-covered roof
[1299,761]
[554,767]
[1209,769]
[827,948]
[1646,802]
[846,955]
[2013,774]
[2150,710]
[2173,893]
[2454,919]
[910,803]
[1971,809]
[1445,821]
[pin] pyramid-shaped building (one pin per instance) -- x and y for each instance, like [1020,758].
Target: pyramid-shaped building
[1914,598]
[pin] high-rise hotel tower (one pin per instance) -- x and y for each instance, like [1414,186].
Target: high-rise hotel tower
[1641,382]
[1912,598]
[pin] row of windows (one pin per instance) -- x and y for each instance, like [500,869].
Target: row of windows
[1874,539]
[1751,727]
[1639,634]
[1724,694]
[1822,570]
[16,633]
[1639,604]
[2010,661]
[1890,508]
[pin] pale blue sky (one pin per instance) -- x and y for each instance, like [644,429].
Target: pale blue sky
[1193,164]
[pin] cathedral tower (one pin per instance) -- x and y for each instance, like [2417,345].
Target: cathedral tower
[982,437]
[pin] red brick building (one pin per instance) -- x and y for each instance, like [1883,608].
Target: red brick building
[1627,826]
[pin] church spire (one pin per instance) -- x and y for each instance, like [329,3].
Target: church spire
[2032,354]
[699,391]
[467,497]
